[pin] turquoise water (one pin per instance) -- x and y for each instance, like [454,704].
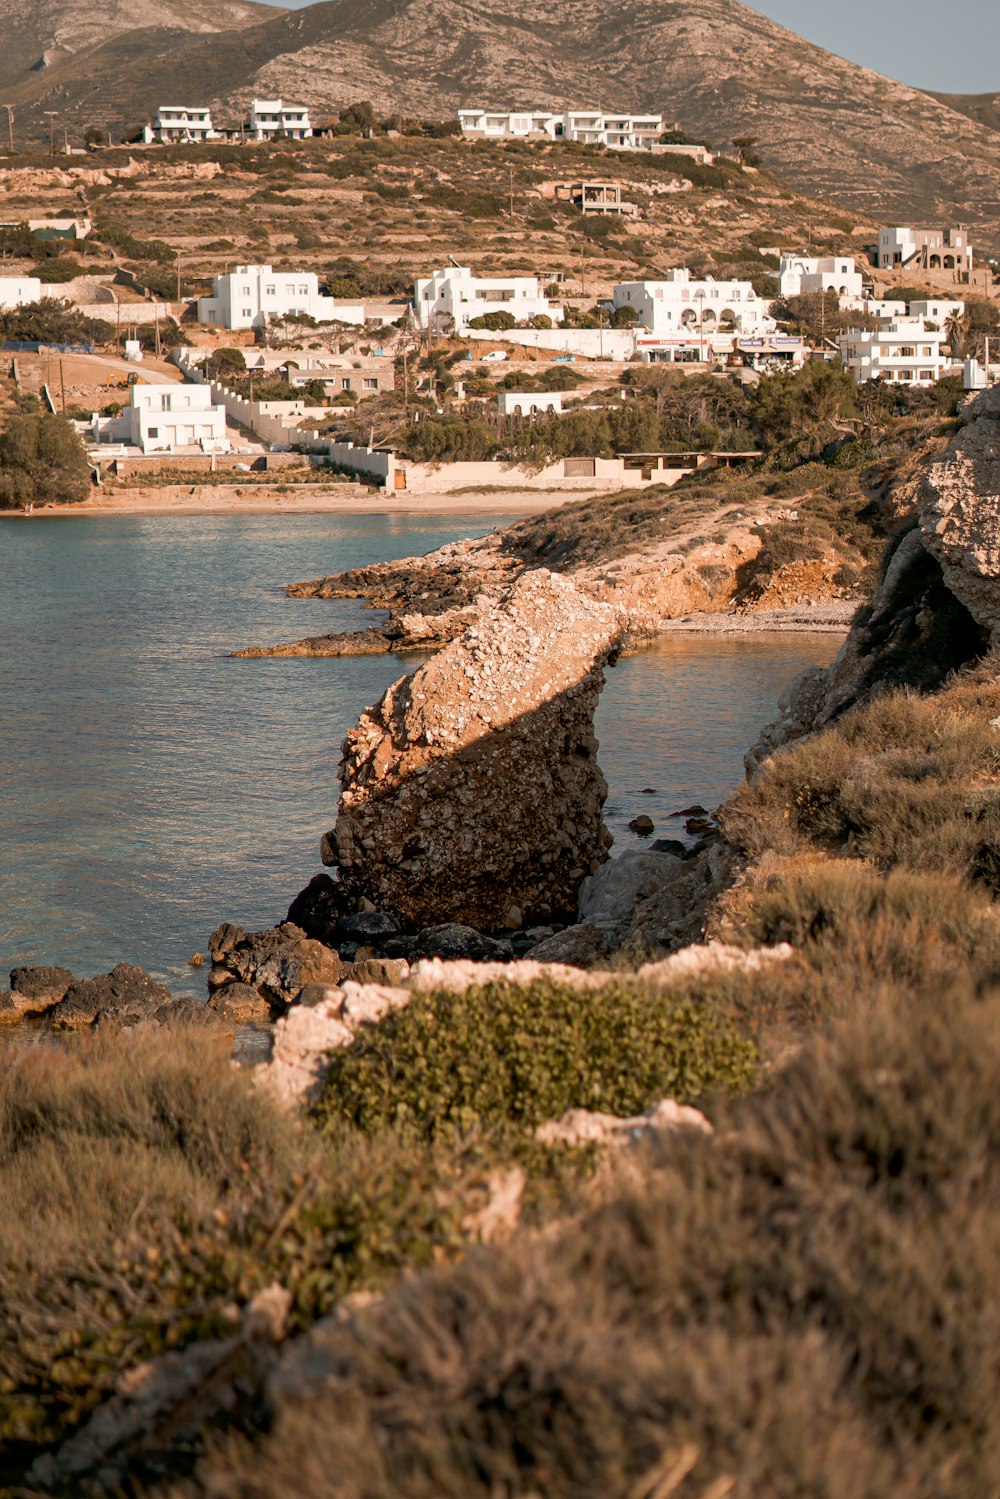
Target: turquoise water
[151,787]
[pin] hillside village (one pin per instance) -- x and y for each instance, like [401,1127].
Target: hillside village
[560,320]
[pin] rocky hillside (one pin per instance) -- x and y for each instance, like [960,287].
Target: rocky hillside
[41,34]
[983,108]
[718,67]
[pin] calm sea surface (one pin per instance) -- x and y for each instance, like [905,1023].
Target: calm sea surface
[150,787]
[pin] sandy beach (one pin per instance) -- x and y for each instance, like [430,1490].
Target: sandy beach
[304,499]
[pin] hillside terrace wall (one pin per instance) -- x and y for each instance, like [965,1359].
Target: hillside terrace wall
[593,343]
[609,474]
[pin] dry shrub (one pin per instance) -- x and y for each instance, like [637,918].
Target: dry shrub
[803,1306]
[904,781]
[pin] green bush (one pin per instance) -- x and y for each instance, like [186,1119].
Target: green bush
[41,459]
[497,321]
[501,1056]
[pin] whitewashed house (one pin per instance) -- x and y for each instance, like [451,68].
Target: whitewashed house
[271,117]
[181,123]
[938,310]
[251,296]
[902,351]
[166,418]
[19,291]
[799,274]
[593,127]
[453,292]
[680,304]
[529,402]
[926,249]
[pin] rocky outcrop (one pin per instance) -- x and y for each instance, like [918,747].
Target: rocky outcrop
[960,512]
[584,1127]
[34,989]
[125,996]
[937,606]
[471,793]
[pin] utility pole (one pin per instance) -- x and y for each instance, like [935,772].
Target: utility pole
[510,179]
[10,126]
[51,116]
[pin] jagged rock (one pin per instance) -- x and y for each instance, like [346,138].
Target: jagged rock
[581,946]
[241,1004]
[959,504]
[223,940]
[583,1127]
[287,970]
[454,941]
[318,908]
[125,996]
[368,924]
[36,988]
[472,790]
[608,898]
[668,846]
[673,916]
[383,971]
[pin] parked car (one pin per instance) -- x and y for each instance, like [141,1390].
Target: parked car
[494,356]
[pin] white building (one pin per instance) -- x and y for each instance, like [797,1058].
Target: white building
[940,310]
[19,291]
[593,127]
[529,402]
[798,274]
[271,117]
[903,351]
[253,295]
[181,123]
[455,293]
[679,304]
[166,418]
[926,249]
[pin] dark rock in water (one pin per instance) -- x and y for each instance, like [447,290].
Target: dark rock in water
[642,825]
[366,925]
[455,941]
[699,825]
[35,989]
[668,846]
[581,946]
[318,908]
[126,996]
[240,1004]
[223,940]
[250,955]
[648,791]
[287,972]
[696,811]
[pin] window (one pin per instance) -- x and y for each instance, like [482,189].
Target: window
[345,383]
[370,382]
[152,431]
[269,291]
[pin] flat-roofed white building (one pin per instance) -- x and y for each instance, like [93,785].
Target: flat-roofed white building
[181,123]
[679,303]
[20,291]
[166,418]
[251,296]
[271,117]
[593,127]
[799,274]
[454,292]
[529,402]
[902,351]
[938,310]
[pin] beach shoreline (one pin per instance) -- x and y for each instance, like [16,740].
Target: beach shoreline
[246,499]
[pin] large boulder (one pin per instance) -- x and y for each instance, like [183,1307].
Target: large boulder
[471,793]
[36,988]
[608,898]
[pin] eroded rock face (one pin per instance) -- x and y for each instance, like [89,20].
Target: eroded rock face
[960,512]
[471,793]
[125,996]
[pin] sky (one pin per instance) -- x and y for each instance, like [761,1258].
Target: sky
[953,47]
